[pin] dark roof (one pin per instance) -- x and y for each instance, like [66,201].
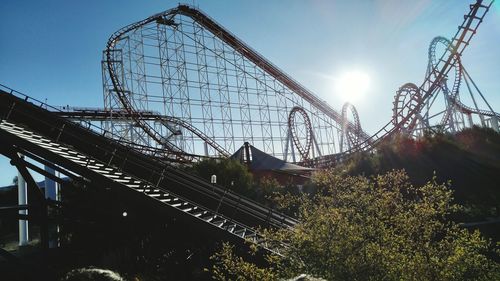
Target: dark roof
[263,161]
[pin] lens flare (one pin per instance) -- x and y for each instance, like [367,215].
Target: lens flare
[352,86]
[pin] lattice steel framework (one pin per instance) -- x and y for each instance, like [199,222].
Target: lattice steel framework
[182,64]
[411,103]
[301,136]
[446,111]
[350,135]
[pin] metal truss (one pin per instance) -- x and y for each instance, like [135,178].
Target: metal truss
[350,136]
[182,64]
[300,134]
[80,153]
[446,110]
[175,125]
[434,80]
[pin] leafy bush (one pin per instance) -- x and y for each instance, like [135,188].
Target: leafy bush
[230,173]
[235,176]
[378,228]
[469,159]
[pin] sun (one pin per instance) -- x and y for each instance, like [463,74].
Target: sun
[352,86]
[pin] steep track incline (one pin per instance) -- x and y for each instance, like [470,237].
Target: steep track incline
[83,154]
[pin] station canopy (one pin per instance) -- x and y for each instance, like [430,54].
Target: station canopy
[259,160]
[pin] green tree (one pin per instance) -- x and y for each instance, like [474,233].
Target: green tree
[469,158]
[236,176]
[379,228]
[230,173]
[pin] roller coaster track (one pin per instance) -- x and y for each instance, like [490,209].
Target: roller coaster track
[228,38]
[99,114]
[476,110]
[460,72]
[432,83]
[303,149]
[467,109]
[350,135]
[79,152]
[28,128]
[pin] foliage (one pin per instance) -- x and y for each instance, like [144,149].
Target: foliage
[378,228]
[470,159]
[230,173]
[228,266]
[234,175]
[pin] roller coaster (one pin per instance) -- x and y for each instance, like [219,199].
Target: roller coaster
[178,88]
[452,114]
[184,65]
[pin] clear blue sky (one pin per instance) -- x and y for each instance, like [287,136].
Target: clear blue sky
[52,49]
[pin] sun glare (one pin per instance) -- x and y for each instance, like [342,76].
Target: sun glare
[352,86]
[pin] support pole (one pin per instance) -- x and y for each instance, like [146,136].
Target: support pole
[318,151]
[481,117]
[247,159]
[494,123]
[285,156]
[289,140]
[294,160]
[17,161]
[469,117]
[477,89]
[51,187]
[22,197]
